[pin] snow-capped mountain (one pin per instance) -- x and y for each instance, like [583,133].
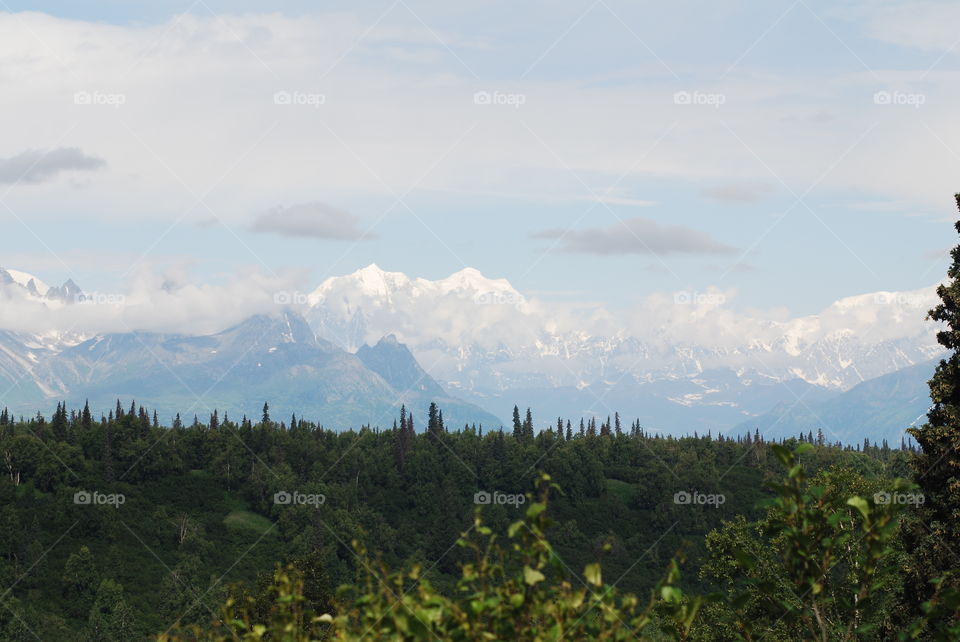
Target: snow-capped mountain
[700,363]
[478,333]
[31,286]
[679,362]
[277,359]
[348,310]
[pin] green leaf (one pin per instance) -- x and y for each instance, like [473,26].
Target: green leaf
[671,594]
[535,509]
[531,576]
[861,505]
[592,574]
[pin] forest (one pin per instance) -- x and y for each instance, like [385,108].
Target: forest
[118,528]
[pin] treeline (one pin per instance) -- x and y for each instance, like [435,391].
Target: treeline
[118,527]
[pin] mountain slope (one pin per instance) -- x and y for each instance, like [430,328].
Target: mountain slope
[394,362]
[881,408]
[277,360]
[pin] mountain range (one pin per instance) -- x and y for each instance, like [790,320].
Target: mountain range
[276,359]
[878,409]
[354,348]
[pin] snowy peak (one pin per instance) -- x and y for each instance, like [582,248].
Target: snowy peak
[34,288]
[471,280]
[30,283]
[370,281]
[373,281]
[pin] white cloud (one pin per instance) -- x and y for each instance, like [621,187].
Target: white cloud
[169,301]
[199,119]
[921,24]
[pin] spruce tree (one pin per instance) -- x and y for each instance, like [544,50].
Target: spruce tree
[85,419]
[517,426]
[937,466]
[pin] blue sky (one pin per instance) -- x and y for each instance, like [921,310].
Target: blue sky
[787,177]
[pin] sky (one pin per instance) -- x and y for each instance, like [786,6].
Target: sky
[787,153]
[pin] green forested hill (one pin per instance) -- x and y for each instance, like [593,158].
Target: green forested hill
[171,517]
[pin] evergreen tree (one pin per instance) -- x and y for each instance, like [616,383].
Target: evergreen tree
[59,423]
[937,467]
[434,421]
[107,457]
[85,421]
[265,420]
[517,426]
